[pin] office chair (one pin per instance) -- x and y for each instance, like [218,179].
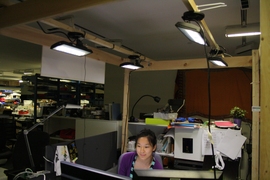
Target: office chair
[38,140]
[157,158]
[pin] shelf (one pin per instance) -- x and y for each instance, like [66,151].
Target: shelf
[60,91]
[170,133]
[61,139]
[144,124]
[166,154]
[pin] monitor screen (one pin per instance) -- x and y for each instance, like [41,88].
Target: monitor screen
[71,171]
[168,174]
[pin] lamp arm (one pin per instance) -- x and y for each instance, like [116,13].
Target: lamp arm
[26,131]
[138,101]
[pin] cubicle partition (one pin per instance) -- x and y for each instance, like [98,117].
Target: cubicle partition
[99,151]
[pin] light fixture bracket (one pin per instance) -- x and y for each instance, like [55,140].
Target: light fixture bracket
[133,57]
[75,35]
[216,52]
[192,16]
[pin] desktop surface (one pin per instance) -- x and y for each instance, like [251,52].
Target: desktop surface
[71,171]
[167,174]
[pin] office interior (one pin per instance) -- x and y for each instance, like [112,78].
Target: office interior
[142,82]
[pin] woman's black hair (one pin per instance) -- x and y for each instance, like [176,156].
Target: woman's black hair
[150,135]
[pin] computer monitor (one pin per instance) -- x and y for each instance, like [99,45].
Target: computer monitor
[169,174]
[71,171]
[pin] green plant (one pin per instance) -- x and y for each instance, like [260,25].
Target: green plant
[237,112]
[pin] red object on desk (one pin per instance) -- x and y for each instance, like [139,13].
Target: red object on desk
[67,133]
[23,112]
[224,124]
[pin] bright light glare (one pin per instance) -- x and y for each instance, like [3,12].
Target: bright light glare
[244,34]
[71,50]
[130,66]
[194,36]
[218,63]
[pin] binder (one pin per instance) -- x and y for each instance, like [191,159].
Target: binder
[114,111]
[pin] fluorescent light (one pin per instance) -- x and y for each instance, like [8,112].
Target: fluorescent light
[71,48]
[192,32]
[28,72]
[239,31]
[217,61]
[130,65]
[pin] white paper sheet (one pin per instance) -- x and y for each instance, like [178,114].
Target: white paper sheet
[225,145]
[231,143]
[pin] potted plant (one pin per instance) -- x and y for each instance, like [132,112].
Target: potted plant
[238,114]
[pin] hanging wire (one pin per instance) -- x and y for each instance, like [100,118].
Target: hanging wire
[54,32]
[209,102]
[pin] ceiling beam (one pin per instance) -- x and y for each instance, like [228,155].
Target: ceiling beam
[35,36]
[233,62]
[33,10]
[94,39]
[191,6]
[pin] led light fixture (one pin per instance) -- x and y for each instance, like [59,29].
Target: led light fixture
[217,61]
[238,30]
[132,65]
[70,48]
[192,32]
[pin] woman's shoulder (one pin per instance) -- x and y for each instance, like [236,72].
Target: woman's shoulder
[128,154]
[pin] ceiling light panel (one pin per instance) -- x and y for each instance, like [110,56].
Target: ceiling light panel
[239,31]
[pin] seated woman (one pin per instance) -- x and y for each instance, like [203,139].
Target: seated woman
[143,157]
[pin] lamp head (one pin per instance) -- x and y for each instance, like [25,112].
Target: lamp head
[217,61]
[77,49]
[70,48]
[192,32]
[132,65]
[157,99]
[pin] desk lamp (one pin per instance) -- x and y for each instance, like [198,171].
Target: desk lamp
[156,98]
[25,132]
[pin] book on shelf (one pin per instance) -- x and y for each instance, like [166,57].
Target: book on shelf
[167,145]
[73,152]
[165,142]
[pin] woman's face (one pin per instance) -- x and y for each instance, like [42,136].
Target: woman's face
[144,148]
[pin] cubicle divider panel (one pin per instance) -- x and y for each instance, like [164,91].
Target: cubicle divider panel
[98,151]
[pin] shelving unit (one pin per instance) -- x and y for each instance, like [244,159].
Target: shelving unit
[48,92]
[165,145]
